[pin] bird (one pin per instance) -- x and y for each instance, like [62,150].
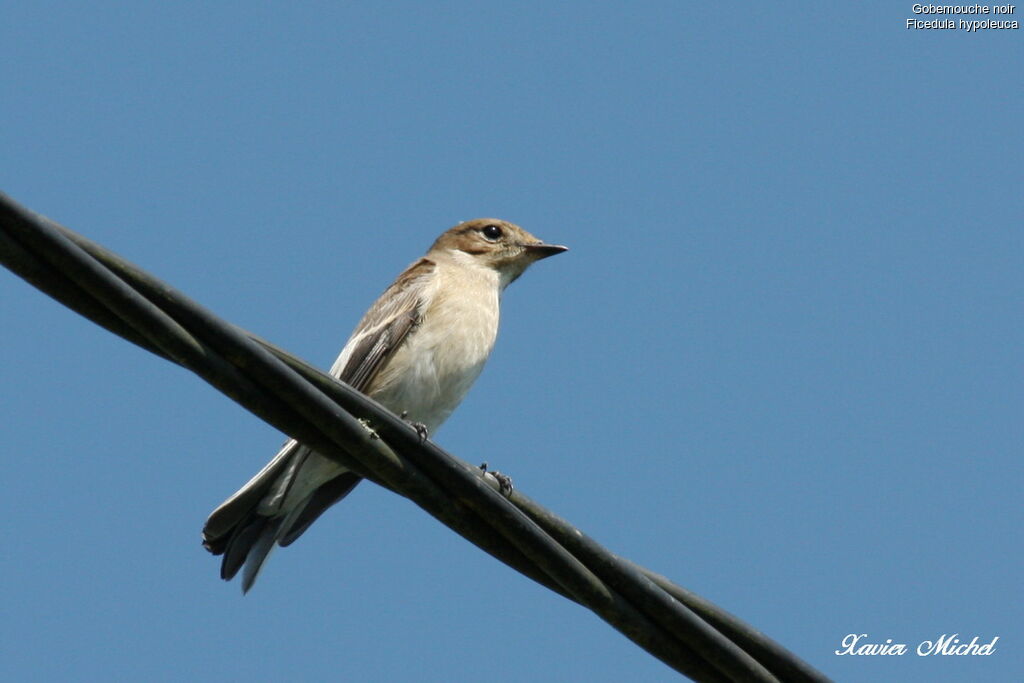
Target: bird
[416,351]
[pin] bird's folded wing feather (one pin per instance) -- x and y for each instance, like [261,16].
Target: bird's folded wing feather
[383,328]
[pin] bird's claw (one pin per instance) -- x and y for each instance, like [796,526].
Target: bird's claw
[504,481]
[366,423]
[420,428]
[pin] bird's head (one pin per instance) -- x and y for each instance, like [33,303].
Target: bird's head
[496,244]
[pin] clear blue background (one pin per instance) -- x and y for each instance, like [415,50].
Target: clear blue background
[781,363]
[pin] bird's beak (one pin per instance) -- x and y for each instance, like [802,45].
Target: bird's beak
[541,250]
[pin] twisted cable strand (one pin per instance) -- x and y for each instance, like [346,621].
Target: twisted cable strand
[685,631]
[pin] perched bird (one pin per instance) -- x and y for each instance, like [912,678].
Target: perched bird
[417,351]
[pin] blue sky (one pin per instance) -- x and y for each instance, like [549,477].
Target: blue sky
[780,364]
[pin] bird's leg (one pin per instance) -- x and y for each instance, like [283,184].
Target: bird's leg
[504,481]
[366,423]
[420,428]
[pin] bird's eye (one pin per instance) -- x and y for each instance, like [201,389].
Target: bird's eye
[491,232]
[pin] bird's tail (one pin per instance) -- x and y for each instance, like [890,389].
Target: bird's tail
[249,548]
[274,508]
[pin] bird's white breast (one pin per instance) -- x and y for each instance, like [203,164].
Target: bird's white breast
[430,374]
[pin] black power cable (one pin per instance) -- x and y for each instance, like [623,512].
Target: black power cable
[688,633]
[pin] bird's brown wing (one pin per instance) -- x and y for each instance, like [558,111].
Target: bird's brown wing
[382,330]
[384,327]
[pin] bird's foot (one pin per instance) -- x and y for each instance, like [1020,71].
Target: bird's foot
[366,423]
[504,481]
[420,428]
